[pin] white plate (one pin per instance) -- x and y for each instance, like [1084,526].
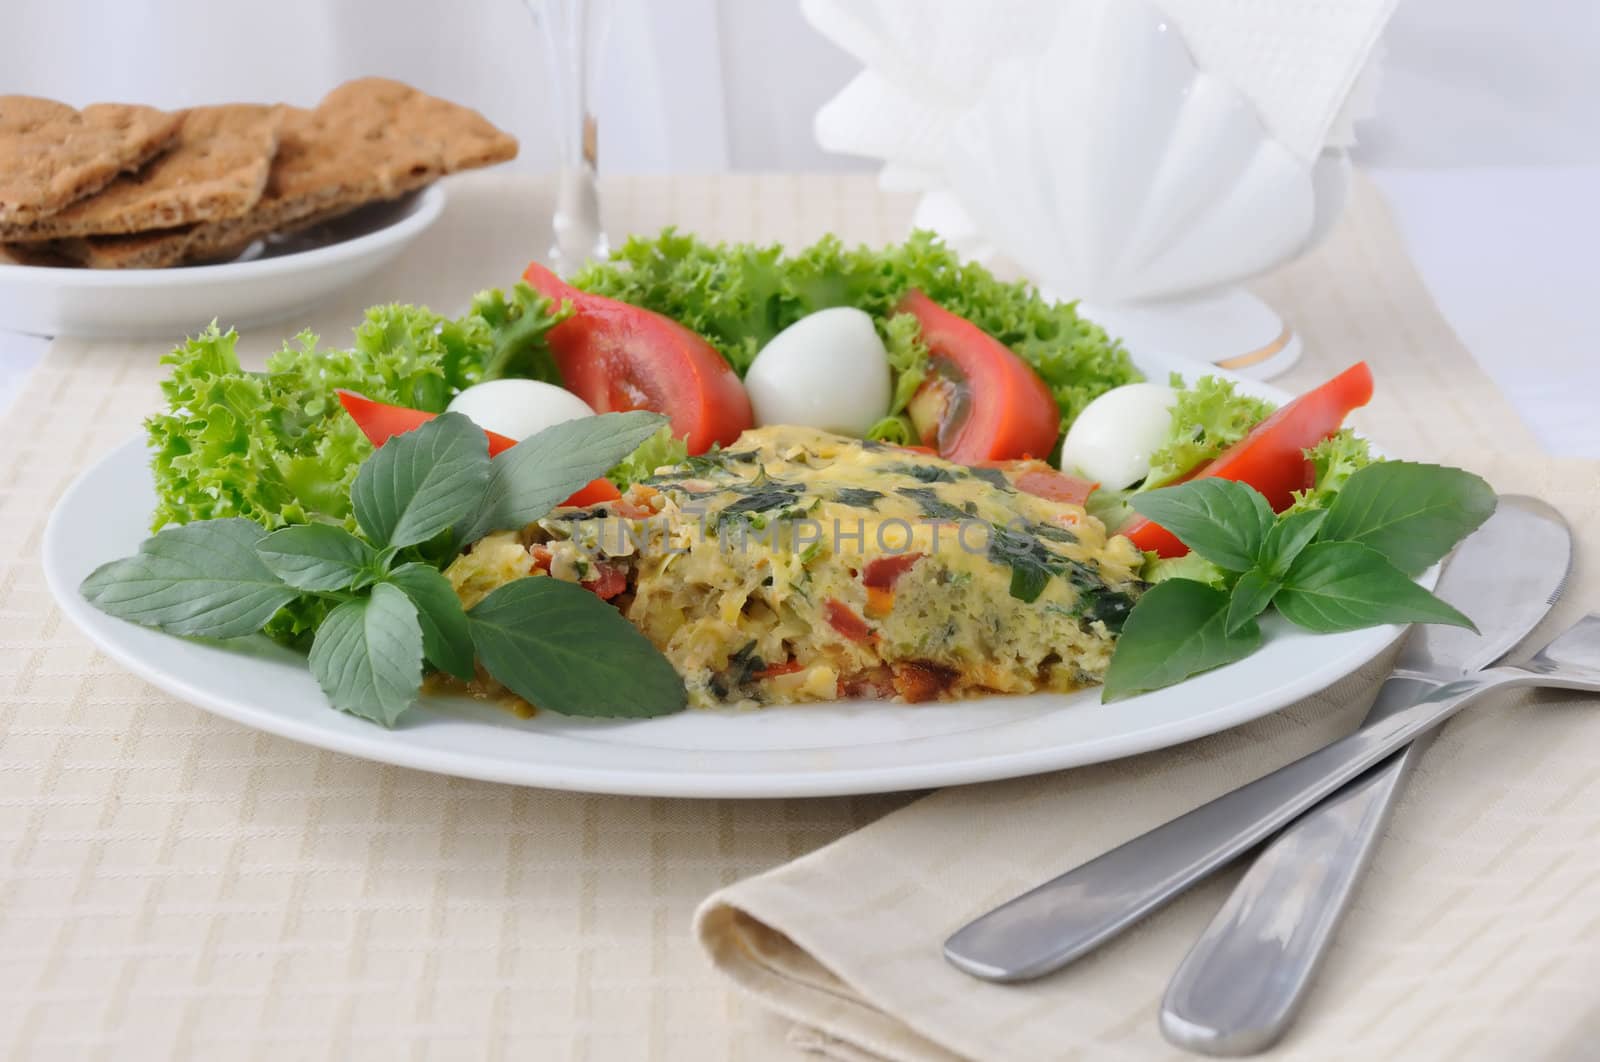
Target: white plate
[810,750]
[275,279]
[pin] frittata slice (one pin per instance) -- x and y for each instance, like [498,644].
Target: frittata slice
[798,565]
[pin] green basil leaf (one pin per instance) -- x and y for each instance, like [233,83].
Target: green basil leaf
[1288,537]
[1411,513]
[1223,521]
[559,647]
[1344,586]
[1250,597]
[541,471]
[446,640]
[316,556]
[421,482]
[202,579]
[367,655]
[1179,628]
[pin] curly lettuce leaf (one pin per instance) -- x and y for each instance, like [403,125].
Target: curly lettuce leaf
[660,450]
[516,329]
[1158,569]
[1209,416]
[741,295]
[275,447]
[908,362]
[1333,460]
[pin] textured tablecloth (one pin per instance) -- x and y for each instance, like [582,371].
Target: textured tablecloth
[173,885]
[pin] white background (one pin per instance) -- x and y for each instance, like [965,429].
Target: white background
[1487,136]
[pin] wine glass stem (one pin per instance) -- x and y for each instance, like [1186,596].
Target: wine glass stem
[572,30]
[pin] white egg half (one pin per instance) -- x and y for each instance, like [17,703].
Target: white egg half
[828,370]
[518,408]
[1113,438]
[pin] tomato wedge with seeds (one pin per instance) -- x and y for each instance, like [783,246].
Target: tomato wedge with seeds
[618,357]
[1272,457]
[980,402]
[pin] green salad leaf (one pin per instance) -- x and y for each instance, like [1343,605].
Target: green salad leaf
[1333,461]
[204,581]
[316,556]
[580,658]
[379,623]
[367,655]
[446,641]
[741,295]
[1250,597]
[1291,533]
[1410,513]
[1337,569]
[1209,416]
[541,471]
[274,447]
[908,362]
[420,483]
[516,329]
[658,451]
[1179,628]
[1223,521]
[1344,586]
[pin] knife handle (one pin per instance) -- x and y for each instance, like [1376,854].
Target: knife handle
[1048,927]
[1245,978]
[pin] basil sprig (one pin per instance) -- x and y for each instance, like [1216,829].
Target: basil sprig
[1343,568]
[551,642]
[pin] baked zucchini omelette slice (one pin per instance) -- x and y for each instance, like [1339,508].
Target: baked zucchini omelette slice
[798,565]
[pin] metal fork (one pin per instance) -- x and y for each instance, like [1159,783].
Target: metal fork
[1050,926]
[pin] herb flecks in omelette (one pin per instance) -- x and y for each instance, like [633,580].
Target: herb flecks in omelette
[803,566]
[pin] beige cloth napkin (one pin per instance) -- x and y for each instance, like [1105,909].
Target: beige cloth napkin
[173,885]
[1477,934]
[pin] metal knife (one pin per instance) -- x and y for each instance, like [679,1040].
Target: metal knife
[1239,988]
[1049,926]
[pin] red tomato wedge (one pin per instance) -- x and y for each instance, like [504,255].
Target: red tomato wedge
[619,357]
[1042,481]
[1272,457]
[980,402]
[598,490]
[380,422]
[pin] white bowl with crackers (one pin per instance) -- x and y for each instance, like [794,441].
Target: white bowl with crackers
[121,221]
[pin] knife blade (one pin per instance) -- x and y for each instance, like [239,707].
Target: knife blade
[1049,926]
[1242,983]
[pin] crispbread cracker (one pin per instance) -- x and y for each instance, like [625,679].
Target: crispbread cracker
[216,170]
[136,250]
[368,140]
[52,155]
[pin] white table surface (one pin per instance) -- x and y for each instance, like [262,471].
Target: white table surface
[1508,254]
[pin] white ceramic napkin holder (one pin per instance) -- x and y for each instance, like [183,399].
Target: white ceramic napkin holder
[1080,141]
